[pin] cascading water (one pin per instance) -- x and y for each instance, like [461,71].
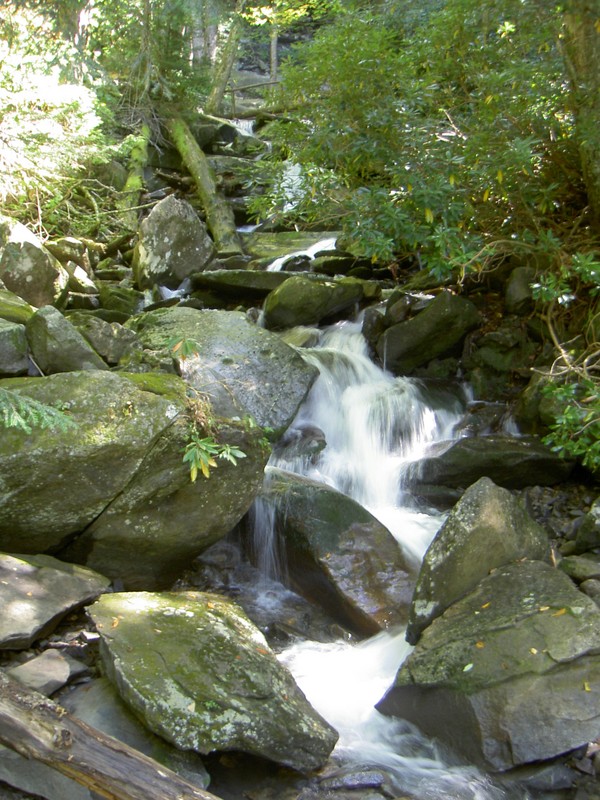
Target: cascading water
[375,426]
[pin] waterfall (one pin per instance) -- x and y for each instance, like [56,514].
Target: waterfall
[374,426]
[324,244]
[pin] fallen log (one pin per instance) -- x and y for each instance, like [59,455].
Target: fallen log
[38,728]
[219,216]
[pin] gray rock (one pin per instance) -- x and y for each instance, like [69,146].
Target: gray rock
[13,349]
[173,243]
[110,340]
[36,592]
[27,269]
[240,284]
[581,568]
[518,295]
[202,676]
[48,672]
[57,346]
[588,532]
[265,377]
[513,667]
[338,555]
[434,332]
[486,529]
[510,461]
[13,308]
[306,301]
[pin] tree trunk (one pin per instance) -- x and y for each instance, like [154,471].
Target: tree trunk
[130,196]
[219,216]
[582,55]
[35,727]
[226,61]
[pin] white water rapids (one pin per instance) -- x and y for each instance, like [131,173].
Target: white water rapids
[375,427]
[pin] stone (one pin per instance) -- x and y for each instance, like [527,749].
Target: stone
[13,308]
[486,529]
[56,346]
[202,676]
[27,268]
[13,349]
[274,245]
[306,301]
[48,672]
[432,333]
[513,666]
[121,299]
[338,555]
[111,340]
[264,376]
[36,592]
[239,284]
[581,568]
[518,295]
[173,243]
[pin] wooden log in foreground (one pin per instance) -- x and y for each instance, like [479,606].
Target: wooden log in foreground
[38,728]
[219,216]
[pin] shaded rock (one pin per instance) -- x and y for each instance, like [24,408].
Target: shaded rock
[338,555]
[581,568]
[435,331]
[200,674]
[239,284]
[510,461]
[121,299]
[173,243]
[306,301]
[513,666]
[518,295]
[110,340]
[13,349]
[36,592]
[13,308]
[57,346]
[27,268]
[266,377]
[48,672]
[487,528]
[588,532]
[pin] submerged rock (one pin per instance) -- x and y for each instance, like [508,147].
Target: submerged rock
[486,529]
[509,674]
[338,555]
[202,676]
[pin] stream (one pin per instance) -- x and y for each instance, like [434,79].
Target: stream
[376,427]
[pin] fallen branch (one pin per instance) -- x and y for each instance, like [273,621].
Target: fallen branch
[38,728]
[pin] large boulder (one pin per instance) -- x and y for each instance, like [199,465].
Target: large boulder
[202,676]
[239,284]
[57,346]
[173,242]
[114,493]
[434,332]
[306,301]
[510,461]
[338,555]
[487,528]
[27,268]
[263,375]
[509,674]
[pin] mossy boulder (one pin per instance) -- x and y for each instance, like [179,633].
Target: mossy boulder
[513,666]
[114,493]
[202,676]
[338,555]
[488,527]
[57,346]
[306,301]
[13,349]
[262,376]
[13,308]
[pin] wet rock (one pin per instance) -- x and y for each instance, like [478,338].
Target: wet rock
[434,332]
[27,268]
[273,245]
[200,674]
[338,555]
[239,284]
[306,301]
[36,592]
[510,461]
[173,243]
[264,376]
[486,529]
[513,666]
[57,346]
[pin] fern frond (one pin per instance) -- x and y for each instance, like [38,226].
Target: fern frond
[25,413]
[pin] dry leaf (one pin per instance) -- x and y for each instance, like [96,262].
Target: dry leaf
[560,612]
[480,645]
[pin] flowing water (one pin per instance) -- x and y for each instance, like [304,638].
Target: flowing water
[375,427]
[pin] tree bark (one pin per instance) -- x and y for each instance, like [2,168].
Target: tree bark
[35,727]
[130,196]
[226,61]
[219,216]
[582,56]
